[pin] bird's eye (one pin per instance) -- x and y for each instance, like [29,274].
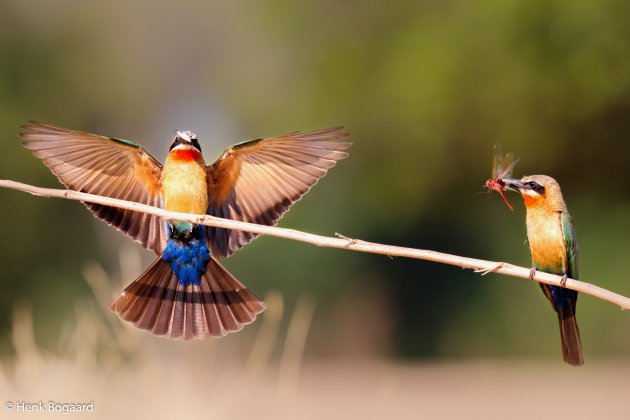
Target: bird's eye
[536,187]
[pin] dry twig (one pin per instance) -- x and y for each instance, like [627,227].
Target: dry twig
[480,266]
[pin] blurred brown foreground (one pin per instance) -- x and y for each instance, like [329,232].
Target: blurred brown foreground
[128,374]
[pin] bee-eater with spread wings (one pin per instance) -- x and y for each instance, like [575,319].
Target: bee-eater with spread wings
[186,293]
[554,249]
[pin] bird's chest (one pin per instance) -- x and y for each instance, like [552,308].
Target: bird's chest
[546,241]
[185,187]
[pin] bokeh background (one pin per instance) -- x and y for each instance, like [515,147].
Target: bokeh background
[426,88]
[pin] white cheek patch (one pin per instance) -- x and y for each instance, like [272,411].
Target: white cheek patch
[530,193]
[184,146]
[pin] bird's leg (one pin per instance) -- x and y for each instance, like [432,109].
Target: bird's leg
[563,280]
[532,272]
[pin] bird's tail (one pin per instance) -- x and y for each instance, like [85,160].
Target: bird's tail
[570,336]
[157,302]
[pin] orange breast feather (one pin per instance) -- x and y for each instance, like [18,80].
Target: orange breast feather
[184,185]
[546,240]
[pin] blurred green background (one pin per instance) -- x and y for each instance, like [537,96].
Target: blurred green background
[424,87]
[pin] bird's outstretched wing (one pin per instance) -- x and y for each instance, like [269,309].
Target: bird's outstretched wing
[570,243]
[258,180]
[108,167]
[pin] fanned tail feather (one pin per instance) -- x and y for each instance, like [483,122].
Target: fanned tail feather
[158,303]
[570,336]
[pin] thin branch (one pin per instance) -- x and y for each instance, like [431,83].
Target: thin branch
[343,242]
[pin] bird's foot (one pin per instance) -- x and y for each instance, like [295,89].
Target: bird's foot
[532,273]
[563,280]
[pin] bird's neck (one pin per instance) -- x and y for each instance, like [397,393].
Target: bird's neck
[544,204]
[533,202]
[185,155]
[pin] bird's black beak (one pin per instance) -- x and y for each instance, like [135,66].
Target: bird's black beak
[512,183]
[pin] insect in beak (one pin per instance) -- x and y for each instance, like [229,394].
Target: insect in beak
[502,167]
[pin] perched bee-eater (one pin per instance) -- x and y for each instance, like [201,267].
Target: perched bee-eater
[554,249]
[186,293]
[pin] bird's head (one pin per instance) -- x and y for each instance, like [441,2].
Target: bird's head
[185,140]
[538,191]
[185,147]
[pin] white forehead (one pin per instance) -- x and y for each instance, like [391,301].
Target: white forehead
[186,135]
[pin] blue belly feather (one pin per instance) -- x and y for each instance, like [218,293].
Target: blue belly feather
[187,253]
[562,296]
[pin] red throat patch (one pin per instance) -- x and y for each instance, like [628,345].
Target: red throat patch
[185,155]
[532,201]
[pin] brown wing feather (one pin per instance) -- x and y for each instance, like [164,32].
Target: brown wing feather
[257,181]
[104,166]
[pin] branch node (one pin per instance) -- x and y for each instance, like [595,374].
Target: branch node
[492,269]
[350,240]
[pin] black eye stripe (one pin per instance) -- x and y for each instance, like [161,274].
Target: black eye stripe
[177,141]
[539,189]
